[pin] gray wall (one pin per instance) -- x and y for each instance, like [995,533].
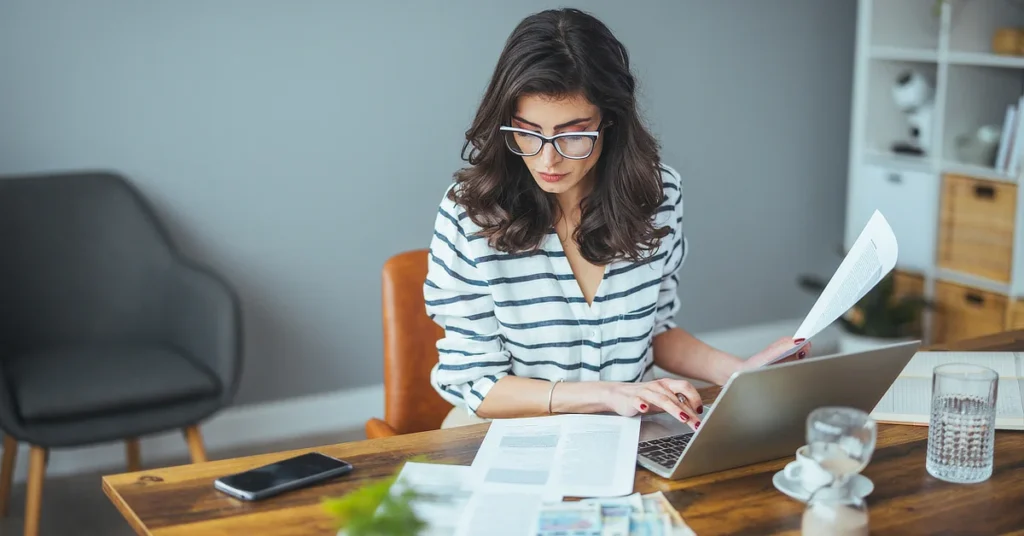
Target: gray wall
[296,145]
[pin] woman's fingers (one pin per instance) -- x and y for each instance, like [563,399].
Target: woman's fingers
[640,404]
[681,408]
[687,390]
[668,403]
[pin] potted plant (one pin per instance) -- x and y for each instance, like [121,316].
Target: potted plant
[881,317]
[379,509]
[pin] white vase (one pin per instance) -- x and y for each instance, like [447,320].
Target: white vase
[850,342]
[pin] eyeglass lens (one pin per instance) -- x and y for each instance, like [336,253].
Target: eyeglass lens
[529,144]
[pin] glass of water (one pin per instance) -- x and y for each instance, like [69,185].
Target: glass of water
[841,440]
[961,432]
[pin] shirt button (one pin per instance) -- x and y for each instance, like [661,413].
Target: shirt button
[595,333]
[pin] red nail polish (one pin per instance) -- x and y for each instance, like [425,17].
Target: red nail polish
[683,416]
[700,410]
[643,407]
[798,341]
[802,354]
[696,426]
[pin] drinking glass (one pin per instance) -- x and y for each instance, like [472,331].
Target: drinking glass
[841,440]
[961,431]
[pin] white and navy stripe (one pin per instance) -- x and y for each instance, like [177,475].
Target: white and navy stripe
[523,314]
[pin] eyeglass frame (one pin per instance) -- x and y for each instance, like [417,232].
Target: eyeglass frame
[551,139]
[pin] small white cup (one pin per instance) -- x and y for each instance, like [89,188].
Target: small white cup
[806,471]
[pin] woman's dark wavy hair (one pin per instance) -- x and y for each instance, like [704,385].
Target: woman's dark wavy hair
[561,53]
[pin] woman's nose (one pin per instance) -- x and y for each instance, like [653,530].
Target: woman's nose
[549,156]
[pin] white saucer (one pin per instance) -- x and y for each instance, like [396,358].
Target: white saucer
[862,486]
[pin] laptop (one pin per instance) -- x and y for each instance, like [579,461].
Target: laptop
[761,414]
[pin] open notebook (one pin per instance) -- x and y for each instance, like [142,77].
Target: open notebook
[908,401]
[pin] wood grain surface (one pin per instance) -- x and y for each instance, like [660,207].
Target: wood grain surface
[906,500]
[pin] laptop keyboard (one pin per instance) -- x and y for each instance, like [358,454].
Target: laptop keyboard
[665,451]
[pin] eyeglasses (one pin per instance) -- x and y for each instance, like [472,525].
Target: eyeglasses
[572,145]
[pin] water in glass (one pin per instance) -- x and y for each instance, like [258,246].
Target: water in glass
[841,440]
[961,433]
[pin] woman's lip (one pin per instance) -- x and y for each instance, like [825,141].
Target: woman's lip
[551,177]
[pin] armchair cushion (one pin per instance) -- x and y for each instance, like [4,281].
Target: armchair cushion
[73,382]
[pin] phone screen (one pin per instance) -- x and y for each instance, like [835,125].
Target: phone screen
[284,472]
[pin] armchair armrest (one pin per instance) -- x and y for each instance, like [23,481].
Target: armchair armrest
[376,428]
[10,422]
[203,319]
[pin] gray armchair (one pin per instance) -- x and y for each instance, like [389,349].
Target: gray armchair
[106,332]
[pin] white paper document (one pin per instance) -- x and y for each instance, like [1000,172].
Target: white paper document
[908,400]
[446,490]
[871,258]
[500,513]
[559,456]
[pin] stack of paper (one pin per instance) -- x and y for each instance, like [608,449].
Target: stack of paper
[526,467]
[650,514]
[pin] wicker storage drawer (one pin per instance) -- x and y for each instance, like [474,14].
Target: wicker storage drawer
[907,284]
[963,312]
[976,227]
[1015,317]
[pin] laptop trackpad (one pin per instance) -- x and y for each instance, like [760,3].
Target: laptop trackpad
[661,425]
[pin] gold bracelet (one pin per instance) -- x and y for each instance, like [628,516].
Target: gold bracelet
[551,392]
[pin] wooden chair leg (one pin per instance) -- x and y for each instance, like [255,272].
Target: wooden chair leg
[7,473]
[34,495]
[195,444]
[132,454]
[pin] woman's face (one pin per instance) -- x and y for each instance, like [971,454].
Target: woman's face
[553,172]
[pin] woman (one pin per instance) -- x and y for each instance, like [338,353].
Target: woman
[553,265]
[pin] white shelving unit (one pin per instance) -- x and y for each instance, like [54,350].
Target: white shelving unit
[950,44]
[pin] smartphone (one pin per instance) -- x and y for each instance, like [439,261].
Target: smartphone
[273,479]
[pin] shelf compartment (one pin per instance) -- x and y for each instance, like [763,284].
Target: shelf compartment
[905,24]
[973,23]
[975,97]
[976,227]
[886,124]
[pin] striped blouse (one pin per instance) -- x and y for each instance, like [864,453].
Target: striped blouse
[524,314]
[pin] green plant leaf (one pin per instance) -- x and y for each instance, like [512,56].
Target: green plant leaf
[372,510]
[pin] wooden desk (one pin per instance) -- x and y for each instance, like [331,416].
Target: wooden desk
[906,500]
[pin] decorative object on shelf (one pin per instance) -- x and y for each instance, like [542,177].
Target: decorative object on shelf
[881,317]
[914,96]
[1008,41]
[1011,143]
[981,147]
[373,510]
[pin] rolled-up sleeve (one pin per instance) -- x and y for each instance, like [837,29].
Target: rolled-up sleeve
[676,244]
[471,355]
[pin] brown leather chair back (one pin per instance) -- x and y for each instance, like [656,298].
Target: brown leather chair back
[410,347]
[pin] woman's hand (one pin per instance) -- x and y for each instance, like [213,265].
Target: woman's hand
[776,349]
[676,397]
